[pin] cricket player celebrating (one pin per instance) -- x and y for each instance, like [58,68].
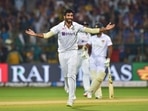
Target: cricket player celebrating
[67,48]
[83,58]
[101,48]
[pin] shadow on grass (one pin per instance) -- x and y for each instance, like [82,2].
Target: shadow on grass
[85,108]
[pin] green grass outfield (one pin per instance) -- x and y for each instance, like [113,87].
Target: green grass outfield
[54,99]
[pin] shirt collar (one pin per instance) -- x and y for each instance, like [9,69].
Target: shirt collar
[71,27]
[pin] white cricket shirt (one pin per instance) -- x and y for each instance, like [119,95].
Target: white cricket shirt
[83,38]
[100,45]
[67,37]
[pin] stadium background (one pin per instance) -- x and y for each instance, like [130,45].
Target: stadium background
[130,38]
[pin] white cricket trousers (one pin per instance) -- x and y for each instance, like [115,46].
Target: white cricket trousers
[97,65]
[83,63]
[68,63]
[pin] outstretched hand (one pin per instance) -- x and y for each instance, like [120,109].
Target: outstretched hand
[30,32]
[110,26]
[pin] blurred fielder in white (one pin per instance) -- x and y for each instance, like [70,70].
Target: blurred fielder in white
[83,58]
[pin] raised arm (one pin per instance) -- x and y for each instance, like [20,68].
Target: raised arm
[108,27]
[98,30]
[41,35]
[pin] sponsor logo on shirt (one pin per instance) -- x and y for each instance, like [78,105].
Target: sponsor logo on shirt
[103,41]
[68,33]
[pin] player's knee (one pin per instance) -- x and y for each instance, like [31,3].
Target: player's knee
[73,76]
[100,76]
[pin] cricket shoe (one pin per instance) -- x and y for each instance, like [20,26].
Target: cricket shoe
[88,95]
[70,103]
[98,97]
[85,94]
[74,98]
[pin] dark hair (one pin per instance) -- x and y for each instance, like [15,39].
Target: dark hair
[99,25]
[68,11]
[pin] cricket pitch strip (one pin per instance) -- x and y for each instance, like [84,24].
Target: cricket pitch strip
[64,101]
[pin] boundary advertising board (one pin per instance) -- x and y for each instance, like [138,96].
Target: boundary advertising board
[51,75]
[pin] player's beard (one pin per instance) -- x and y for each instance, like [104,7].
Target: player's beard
[68,20]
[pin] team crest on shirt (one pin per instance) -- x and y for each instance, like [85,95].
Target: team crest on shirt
[103,41]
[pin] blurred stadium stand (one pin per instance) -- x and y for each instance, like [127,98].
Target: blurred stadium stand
[130,36]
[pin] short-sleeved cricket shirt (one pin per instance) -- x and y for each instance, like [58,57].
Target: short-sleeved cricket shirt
[83,38]
[100,45]
[67,37]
